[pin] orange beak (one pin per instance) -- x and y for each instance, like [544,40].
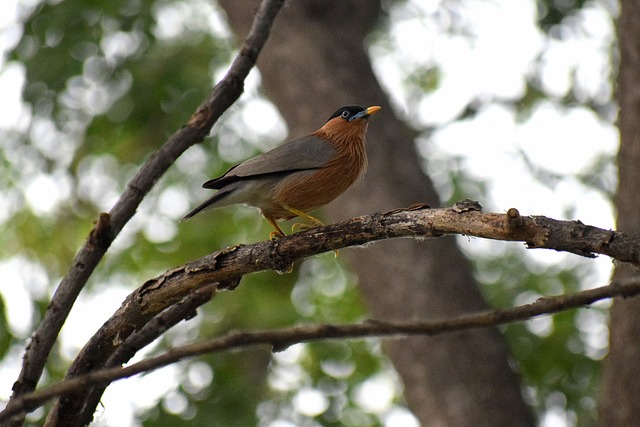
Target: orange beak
[372,110]
[364,114]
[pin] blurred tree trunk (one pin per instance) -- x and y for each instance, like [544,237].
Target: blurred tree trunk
[315,62]
[620,405]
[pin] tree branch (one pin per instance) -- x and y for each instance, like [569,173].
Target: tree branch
[184,310]
[280,339]
[225,93]
[223,270]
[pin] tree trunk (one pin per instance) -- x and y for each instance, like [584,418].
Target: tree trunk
[315,62]
[620,405]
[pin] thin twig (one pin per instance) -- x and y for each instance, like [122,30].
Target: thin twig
[280,339]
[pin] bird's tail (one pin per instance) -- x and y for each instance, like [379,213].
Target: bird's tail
[207,204]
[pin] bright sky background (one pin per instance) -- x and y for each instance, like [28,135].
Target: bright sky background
[496,146]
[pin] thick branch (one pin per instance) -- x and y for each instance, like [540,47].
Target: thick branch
[279,339]
[226,92]
[184,310]
[224,269]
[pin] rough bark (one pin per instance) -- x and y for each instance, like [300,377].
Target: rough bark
[315,62]
[619,404]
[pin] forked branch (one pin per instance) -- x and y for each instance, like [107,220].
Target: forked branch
[223,270]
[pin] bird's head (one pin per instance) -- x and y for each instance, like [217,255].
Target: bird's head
[354,112]
[347,125]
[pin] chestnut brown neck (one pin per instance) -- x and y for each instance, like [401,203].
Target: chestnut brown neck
[348,139]
[343,135]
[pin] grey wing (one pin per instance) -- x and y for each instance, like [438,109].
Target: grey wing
[309,152]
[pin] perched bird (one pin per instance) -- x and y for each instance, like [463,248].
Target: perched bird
[299,176]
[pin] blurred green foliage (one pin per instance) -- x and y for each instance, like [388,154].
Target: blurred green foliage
[553,356]
[111,85]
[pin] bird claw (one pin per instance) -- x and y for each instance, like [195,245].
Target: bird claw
[275,235]
[298,226]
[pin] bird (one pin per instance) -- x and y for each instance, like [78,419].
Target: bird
[299,176]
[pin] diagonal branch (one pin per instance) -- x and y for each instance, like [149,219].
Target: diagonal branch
[183,310]
[224,269]
[225,93]
[279,339]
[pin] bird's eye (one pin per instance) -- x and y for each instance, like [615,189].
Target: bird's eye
[344,114]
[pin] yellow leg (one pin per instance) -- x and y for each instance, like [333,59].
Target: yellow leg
[304,215]
[278,233]
[312,220]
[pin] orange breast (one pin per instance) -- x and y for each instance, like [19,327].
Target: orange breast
[309,190]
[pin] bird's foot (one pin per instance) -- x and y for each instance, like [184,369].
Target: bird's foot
[299,226]
[315,222]
[275,235]
[277,232]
